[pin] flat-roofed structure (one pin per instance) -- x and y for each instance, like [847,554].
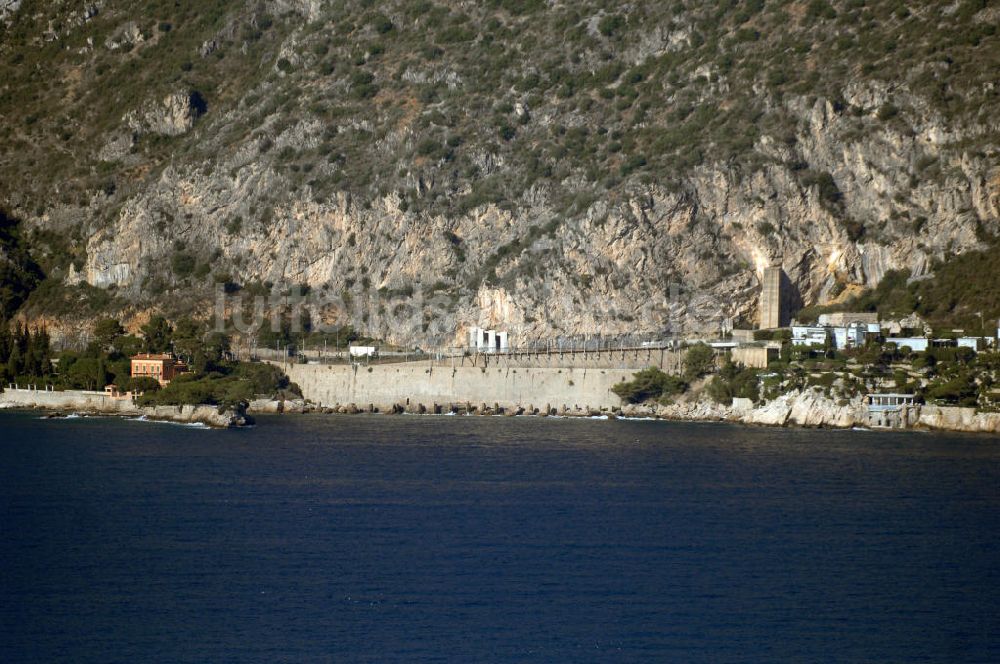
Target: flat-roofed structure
[891,410]
[488,341]
[844,318]
[754,357]
[915,344]
[810,335]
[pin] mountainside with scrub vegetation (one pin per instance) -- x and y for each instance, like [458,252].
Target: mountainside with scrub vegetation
[551,168]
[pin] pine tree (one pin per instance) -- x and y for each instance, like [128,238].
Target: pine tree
[36,356]
[21,338]
[43,346]
[102,375]
[15,363]
[6,342]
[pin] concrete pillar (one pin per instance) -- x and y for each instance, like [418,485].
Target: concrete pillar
[770,298]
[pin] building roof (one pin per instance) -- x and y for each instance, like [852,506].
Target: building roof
[153,356]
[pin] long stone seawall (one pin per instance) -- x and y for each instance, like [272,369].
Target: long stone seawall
[413,384]
[98,402]
[423,383]
[67,400]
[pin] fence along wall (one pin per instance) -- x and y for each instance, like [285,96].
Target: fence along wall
[414,383]
[633,359]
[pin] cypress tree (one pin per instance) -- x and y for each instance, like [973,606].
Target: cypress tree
[15,363]
[42,351]
[102,375]
[21,339]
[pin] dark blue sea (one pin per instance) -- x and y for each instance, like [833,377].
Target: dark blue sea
[463,539]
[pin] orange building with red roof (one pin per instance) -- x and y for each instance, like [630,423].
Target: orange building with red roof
[164,367]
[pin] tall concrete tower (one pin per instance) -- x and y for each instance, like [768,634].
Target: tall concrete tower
[770,298]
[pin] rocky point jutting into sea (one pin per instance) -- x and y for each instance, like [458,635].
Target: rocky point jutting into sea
[99,403]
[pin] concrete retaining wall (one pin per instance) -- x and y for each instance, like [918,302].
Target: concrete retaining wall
[67,400]
[421,383]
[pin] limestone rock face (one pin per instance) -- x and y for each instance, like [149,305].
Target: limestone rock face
[378,177]
[208,415]
[810,408]
[699,411]
[959,419]
[660,261]
[8,7]
[813,409]
[173,115]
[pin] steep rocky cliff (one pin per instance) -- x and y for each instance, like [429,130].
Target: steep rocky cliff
[551,168]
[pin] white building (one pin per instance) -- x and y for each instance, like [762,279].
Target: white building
[362,351]
[892,411]
[841,336]
[808,335]
[916,344]
[488,341]
[975,343]
[850,336]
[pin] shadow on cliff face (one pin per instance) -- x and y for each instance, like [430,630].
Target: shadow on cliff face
[197,104]
[792,297]
[19,273]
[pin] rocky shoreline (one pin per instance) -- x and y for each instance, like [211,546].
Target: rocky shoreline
[97,403]
[806,409]
[185,415]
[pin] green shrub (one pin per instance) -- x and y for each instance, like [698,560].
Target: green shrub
[611,25]
[887,111]
[649,384]
[381,24]
[182,263]
[766,228]
[735,382]
[699,360]
[139,384]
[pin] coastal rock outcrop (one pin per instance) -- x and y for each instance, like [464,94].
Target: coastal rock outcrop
[959,419]
[809,408]
[99,403]
[198,414]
